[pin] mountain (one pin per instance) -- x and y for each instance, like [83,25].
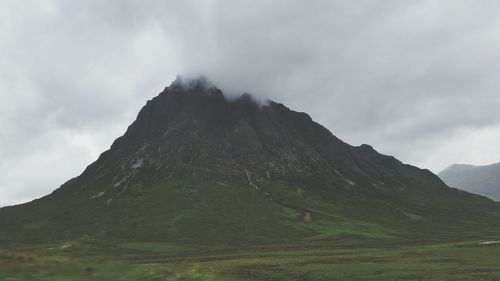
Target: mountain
[198,168]
[484,180]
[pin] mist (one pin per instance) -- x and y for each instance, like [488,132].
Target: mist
[417,80]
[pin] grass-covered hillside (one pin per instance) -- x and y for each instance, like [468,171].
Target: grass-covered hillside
[205,188]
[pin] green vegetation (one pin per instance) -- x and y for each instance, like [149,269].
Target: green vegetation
[211,230]
[199,212]
[328,229]
[77,260]
[202,188]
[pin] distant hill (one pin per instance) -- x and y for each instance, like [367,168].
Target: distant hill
[484,180]
[197,168]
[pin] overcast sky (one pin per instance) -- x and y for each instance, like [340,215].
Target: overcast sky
[419,80]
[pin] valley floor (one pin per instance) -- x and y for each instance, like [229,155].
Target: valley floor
[157,261]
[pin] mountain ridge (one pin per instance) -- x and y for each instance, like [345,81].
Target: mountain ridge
[481,179]
[197,168]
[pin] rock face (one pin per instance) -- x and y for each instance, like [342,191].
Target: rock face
[197,168]
[194,128]
[484,180]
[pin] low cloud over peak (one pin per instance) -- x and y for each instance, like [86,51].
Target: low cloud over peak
[415,80]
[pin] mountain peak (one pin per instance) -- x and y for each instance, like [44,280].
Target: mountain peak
[191,83]
[192,126]
[195,166]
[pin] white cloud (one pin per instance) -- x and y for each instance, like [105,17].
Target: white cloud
[416,79]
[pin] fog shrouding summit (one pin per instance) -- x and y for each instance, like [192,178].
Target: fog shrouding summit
[417,80]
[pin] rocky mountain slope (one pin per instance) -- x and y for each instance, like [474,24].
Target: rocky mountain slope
[198,168]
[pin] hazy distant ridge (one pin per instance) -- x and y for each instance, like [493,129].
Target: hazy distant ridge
[484,180]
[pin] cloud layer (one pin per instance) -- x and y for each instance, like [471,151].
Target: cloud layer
[416,79]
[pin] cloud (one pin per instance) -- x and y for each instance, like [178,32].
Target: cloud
[416,79]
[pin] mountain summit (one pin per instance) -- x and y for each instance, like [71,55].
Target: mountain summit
[197,168]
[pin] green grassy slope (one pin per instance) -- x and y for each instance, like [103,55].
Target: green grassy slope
[213,213]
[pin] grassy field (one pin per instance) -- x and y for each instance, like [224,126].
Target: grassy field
[89,260]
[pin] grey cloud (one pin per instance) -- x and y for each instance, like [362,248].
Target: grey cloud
[416,79]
